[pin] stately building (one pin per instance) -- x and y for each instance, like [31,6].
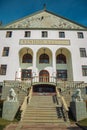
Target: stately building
[43,47]
[43,60]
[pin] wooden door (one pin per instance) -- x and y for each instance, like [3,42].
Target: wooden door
[44,76]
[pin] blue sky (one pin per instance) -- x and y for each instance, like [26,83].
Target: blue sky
[11,10]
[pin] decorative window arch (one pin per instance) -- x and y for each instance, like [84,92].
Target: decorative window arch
[27,58]
[61,59]
[44,58]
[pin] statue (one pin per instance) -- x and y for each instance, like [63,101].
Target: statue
[12,97]
[77,96]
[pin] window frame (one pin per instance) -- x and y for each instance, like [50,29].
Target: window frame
[44,60]
[83,52]
[61,34]
[44,34]
[3,69]
[26,74]
[84,70]
[27,34]
[5,51]
[61,59]
[61,74]
[80,35]
[8,34]
[25,56]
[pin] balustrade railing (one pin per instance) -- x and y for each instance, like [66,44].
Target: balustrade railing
[70,84]
[44,79]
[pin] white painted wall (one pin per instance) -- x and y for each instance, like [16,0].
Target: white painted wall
[12,60]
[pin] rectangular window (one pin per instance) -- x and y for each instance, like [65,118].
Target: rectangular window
[62,75]
[82,52]
[26,74]
[27,33]
[5,51]
[9,34]
[84,70]
[3,69]
[80,34]
[44,34]
[62,34]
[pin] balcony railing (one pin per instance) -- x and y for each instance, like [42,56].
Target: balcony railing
[43,79]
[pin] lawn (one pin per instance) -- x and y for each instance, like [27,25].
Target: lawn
[83,122]
[4,123]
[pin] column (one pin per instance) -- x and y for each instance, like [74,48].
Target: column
[34,64]
[18,74]
[54,64]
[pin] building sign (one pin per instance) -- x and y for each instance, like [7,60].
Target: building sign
[43,42]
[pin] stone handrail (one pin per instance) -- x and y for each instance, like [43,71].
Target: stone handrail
[24,106]
[64,105]
[62,100]
[70,84]
[25,103]
[30,95]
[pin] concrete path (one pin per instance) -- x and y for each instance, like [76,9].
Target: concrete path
[41,127]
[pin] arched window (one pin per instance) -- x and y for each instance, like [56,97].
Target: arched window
[61,59]
[44,58]
[27,58]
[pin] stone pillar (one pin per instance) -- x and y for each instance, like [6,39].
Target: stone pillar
[9,110]
[18,74]
[34,64]
[54,64]
[78,109]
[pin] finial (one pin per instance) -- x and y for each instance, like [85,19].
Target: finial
[44,6]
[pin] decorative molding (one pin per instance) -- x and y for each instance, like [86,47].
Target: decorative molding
[44,20]
[43,42]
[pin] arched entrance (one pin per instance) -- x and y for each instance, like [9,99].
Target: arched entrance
[44,76]
[64,70]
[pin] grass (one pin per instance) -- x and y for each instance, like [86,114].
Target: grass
[4,123]
[83,122]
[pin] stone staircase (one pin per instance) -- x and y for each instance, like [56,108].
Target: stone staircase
[42,109]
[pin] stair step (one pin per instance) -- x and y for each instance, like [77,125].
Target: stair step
[42,109]
[41,118]
[40,115]
[42,121]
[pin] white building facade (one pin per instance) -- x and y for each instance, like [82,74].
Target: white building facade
[43,45]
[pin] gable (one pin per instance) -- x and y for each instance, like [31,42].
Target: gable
[44,19]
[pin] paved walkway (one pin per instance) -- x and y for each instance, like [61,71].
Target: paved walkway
[41,127]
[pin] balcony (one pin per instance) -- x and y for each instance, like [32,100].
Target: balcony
[43,80]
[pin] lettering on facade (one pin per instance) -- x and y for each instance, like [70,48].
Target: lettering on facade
[45,42]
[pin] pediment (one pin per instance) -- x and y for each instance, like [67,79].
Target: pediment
[44,19]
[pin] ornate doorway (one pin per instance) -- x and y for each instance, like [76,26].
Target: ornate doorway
[44,76]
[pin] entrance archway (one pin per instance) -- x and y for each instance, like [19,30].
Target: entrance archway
[44,76]
[64,68]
